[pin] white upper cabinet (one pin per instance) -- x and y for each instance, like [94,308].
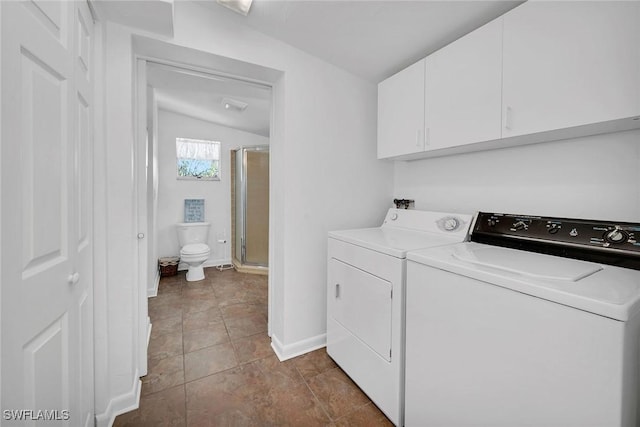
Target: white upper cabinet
[569,64]
[544,71]
[463,89]
[401,113]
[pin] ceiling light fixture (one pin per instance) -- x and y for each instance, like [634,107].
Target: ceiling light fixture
[234,105]
[240,6]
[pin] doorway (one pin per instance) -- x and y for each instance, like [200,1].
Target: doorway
[198,103]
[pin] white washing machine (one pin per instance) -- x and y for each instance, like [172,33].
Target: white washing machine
[528,324]
[365,298]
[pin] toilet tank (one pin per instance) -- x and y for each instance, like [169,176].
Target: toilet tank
[192,232]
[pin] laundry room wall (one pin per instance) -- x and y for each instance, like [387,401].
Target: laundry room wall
[595,177]
[216,194]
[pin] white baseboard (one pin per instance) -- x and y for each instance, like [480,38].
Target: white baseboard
[298,348]
[121,404]
[153,291]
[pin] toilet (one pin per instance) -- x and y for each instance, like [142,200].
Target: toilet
[193,247]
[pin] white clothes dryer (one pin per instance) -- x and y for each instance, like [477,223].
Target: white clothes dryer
[365,298]
[529,324]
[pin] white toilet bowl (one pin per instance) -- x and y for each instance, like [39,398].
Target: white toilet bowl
[194,250]
[195,255]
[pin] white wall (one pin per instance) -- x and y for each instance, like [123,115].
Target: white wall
[323,162]
[595,177]
[216,194]
[116,301]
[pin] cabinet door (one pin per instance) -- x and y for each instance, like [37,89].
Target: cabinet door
[464,89]
[401,112]
[570,63]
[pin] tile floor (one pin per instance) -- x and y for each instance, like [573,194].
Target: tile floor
[211,364]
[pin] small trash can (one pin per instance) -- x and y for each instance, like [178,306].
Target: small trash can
[168,266]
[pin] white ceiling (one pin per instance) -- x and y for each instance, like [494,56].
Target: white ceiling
[200,96]
[155,16]
[370,38]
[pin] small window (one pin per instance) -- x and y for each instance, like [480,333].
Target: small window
[198,159]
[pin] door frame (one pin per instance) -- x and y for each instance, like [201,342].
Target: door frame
[140,162]
[140,144]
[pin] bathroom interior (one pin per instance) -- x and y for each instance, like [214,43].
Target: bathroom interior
[235,203]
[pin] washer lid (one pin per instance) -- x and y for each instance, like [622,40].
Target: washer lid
[194,249]
[529,264]
[392,241]
[605,290]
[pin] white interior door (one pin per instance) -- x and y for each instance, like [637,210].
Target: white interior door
[47,298]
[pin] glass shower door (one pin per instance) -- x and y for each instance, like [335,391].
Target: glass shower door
[256,242]
[255,179]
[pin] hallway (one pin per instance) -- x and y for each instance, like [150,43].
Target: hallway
[211,363]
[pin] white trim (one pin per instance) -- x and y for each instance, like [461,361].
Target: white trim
[289,351]
[153,290]
[121,404]
[204,72]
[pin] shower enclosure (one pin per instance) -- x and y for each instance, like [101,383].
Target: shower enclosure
[250,206]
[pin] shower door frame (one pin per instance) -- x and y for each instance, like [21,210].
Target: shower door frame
[243,180]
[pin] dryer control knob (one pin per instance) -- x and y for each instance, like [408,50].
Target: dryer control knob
[616,236]
[451,224]
[519,225]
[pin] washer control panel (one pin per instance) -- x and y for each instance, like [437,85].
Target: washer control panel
[536,232]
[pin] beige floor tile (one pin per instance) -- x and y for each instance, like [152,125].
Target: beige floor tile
[292,406]
[193,305]
[243,310]
[163,373]
[226,399]
[278,374]
[165,408]
[198,293]
[367,416]
[165,346]
[314,363]
[253,348]
[337,393]
[163,306]
[208,361]
[170,298]
[201,319]
[168,287]
[240,327]
[197,339]
[167,325]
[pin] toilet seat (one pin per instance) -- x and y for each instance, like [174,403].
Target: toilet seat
[195,249]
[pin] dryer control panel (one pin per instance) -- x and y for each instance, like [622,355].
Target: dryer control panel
[608,242]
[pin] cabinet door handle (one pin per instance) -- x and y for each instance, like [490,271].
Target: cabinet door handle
[418,138]
[508,118]
[337,290]
[427,134]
